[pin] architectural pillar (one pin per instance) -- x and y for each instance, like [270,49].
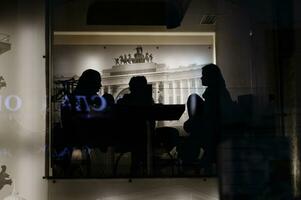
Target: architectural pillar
[109,89]
[174,92]
[166,92]
[196,85]
[156,92]
[189,86]
[182,92]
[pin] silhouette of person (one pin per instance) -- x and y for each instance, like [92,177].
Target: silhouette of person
[217,110]
[139,95]
[109,100]
[82,112]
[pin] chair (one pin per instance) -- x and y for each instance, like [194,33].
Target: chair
[80,134]
[72,155]
[122,146]
[166,140]
[68,156]
[121,153]
[130,139]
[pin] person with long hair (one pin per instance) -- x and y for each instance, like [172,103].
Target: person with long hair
[207,117]
[217,112]
[81,113]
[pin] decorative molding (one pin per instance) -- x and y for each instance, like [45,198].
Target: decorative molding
[128,33]
[133,38]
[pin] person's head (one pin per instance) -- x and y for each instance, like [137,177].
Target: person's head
[212,76]
[89,82]
[194,105]
[138,84]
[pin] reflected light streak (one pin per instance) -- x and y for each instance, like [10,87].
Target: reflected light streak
[296,165]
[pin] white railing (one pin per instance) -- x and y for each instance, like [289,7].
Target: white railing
[4,37]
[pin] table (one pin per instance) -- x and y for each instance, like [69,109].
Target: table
[155,112]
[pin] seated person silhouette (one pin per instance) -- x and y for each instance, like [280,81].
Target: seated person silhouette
[135,127]
[139,95]
[82,114]
[207,119]
[218,111]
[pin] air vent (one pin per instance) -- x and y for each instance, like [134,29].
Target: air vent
[208,20]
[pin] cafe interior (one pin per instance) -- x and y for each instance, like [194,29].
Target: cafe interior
[175,135]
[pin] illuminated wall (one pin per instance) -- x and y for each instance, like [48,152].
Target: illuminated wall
[22,121]
[70,60]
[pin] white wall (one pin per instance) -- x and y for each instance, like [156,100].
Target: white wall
[244,45]
[233,47]
[22,132]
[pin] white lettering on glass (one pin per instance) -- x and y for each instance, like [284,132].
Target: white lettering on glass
[12,103]
[103,103]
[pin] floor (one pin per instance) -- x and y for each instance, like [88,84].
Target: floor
[102,165]
[138,189]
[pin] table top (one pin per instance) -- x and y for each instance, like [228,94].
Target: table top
[152,112]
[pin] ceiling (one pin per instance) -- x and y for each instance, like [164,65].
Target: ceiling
[138,15]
